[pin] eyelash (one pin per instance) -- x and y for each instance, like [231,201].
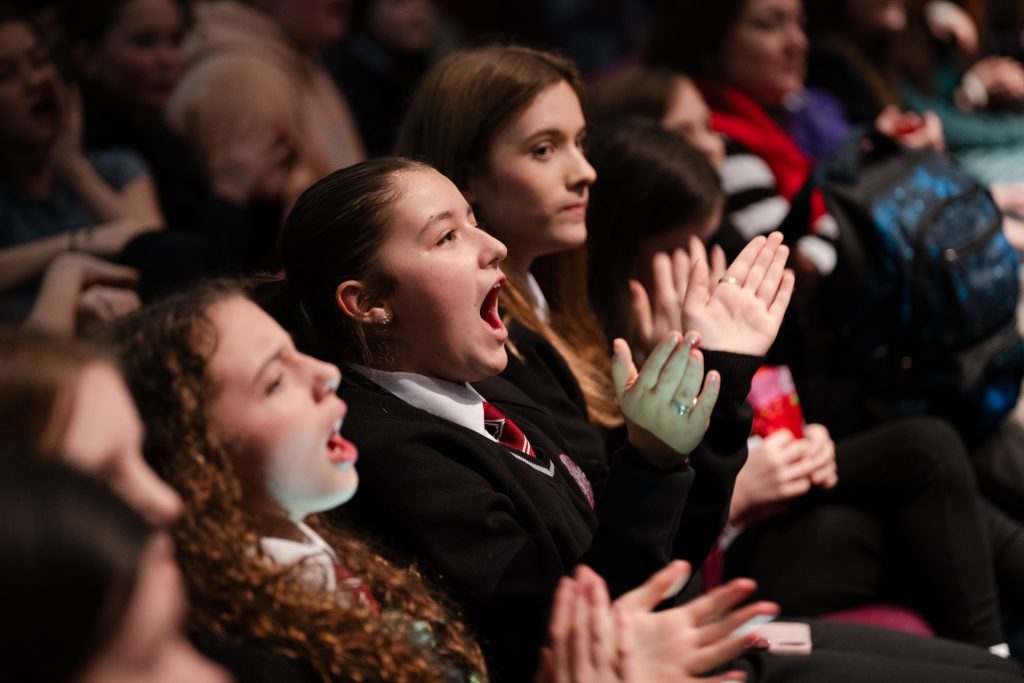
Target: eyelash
[275,385]
[449,236]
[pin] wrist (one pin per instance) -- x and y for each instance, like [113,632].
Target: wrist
[653,450]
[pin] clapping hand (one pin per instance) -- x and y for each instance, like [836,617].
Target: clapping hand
[596,641]
[666,409]
[656,315]
[741,310]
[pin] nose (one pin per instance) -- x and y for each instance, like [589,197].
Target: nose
[713,146]
[492,250]
[326,378]
[580,173]
[797,37]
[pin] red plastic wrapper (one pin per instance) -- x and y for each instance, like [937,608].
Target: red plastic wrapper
[775,401]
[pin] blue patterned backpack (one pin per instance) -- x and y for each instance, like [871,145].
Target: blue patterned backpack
[926,285]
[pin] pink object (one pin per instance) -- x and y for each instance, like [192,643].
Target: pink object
[775,402]
[891,617]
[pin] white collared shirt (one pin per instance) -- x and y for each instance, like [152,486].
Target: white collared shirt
[537,298]
[458,403]
[317,557]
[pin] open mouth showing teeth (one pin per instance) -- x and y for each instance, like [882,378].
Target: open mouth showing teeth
[489,309]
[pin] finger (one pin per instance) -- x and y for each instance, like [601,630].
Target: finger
[777,308]
[697,250]
[580,639]
[701,413]
[795,488]
[720,599]
[823,475]
[687,385]
[779,439]
[602,628]
[724,627]
[794,451]
[624,373]
[739,268]
[104,272]
[662,585]
[642,320]
[675,369]
[655,363]
[681,265]
[756,275]
[718,264]
[560,626]
[773,276]
[666,297]
[720,653]
[698,288]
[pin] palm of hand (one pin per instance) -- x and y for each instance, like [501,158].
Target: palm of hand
[733,319]
[742,310]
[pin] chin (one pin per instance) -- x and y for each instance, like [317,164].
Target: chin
[490,367]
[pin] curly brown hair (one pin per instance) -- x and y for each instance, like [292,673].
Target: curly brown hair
[236,594]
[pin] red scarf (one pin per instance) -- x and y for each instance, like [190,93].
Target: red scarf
[739,117]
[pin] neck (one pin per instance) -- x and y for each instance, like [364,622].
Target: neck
[272,521]
[518,269]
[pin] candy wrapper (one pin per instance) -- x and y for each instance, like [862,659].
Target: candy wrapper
[776,404]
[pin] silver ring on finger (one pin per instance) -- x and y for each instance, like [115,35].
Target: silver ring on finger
[728,280]
[685,409]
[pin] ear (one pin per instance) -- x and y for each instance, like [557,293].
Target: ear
[354,300]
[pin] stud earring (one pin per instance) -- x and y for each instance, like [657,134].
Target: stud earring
[385,319]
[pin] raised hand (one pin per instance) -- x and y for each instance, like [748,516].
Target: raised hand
[660,312]
[667,411]
[584,647]
[684,642]
[742,310]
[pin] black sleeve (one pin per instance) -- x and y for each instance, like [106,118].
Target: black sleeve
[718,458]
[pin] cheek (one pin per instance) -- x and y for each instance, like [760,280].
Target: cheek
[127,68]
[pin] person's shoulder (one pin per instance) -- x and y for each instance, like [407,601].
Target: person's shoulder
[117,165]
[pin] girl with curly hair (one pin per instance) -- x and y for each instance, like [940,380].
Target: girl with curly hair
[246,428]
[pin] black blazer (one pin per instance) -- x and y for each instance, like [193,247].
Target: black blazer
[498,529]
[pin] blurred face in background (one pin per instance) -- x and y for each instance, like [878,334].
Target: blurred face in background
[311,24]
[139,59]
[874,17]
[405,25]
[29,107]
[765,53]
[687,115]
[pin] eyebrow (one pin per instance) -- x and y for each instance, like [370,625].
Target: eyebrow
[437,218]
[265,364]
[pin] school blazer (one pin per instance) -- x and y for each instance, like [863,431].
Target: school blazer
[543,374]
[497,528]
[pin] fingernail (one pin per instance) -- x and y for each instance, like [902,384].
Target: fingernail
[673,339]
[674,589]
[713,378]
[692,341]
[760,644]
[752,624]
